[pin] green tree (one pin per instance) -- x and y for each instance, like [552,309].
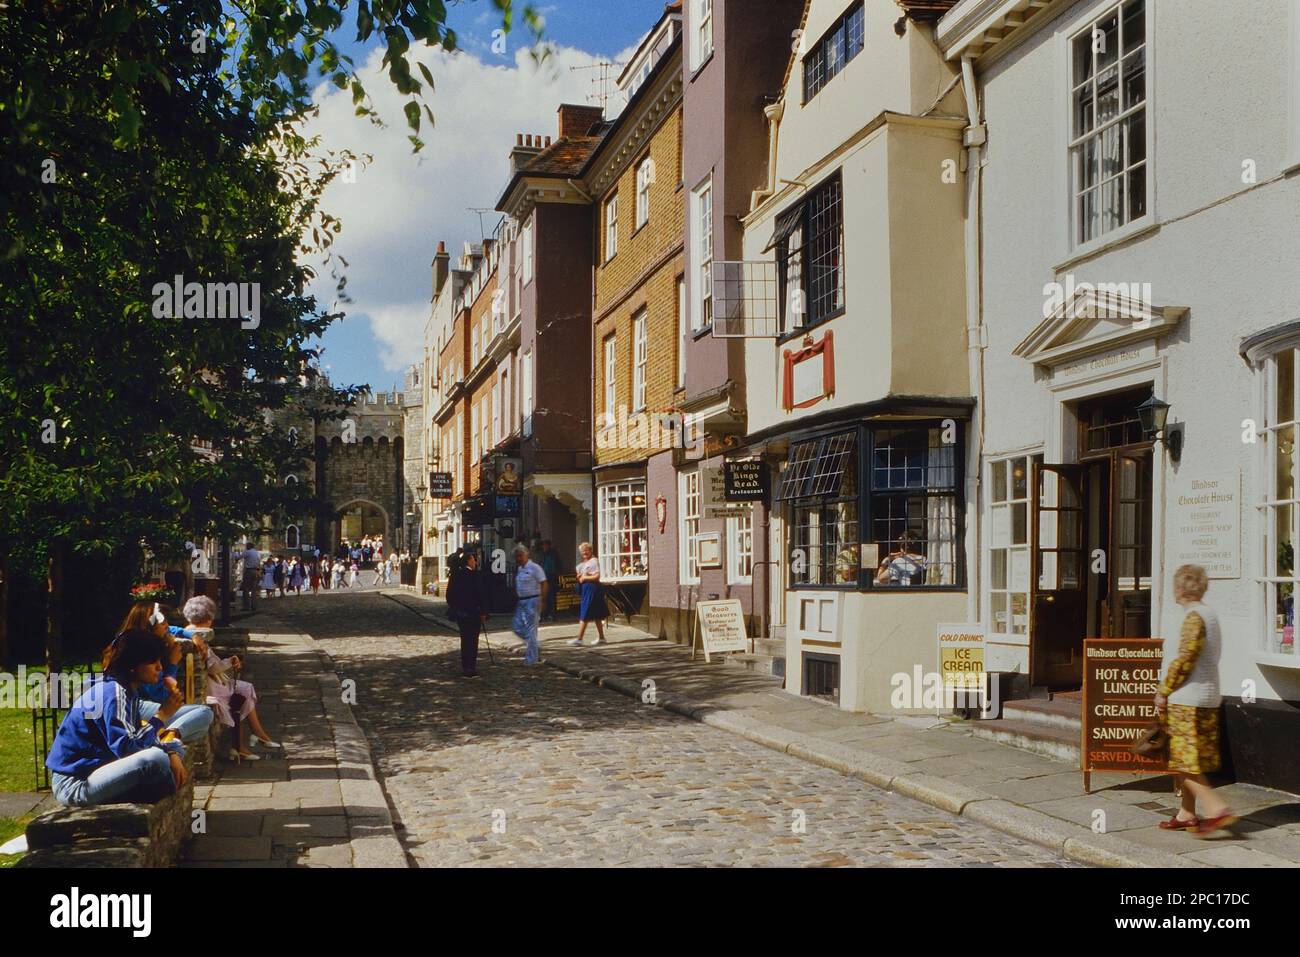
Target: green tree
[141,142]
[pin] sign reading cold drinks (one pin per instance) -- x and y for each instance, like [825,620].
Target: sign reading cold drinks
[1120,680]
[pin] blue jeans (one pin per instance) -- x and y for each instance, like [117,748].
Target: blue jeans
[144,778]
[525,626]
[191,720]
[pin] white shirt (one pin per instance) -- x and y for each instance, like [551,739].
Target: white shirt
[529,578]
[590,567]
[252,558]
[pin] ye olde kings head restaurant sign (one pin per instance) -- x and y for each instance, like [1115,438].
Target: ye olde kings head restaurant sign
[1120,680]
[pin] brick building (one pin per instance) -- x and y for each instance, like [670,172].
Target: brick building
[635,179]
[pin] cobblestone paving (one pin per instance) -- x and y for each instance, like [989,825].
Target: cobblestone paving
[528,766]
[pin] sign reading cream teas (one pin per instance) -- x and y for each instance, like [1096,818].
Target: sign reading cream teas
[1205,513]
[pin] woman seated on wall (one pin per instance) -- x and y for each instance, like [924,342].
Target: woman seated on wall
[227,694]
[106,751]
[193,720]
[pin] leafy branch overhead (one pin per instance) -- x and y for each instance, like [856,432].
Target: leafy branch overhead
[142,142]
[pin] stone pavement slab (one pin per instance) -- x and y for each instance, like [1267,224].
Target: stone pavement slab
[1024,794]
[292,808]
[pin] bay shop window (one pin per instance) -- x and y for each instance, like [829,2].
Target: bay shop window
[1281,506]
[623,540]
[896,487]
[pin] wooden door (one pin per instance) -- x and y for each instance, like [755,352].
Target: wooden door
[1058,598]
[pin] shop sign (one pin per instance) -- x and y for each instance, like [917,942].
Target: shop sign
[440,485]
[961,656]
[719,627]
[1120,680]
[744,480]
[1205,513]
[566,593]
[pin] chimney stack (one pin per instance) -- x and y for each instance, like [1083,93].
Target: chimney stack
[441,267]
[526,147]
[578,120]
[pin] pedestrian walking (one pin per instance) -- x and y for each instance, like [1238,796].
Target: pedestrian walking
[297,574]
[268,578]
[467,605]
[352,575]
[336,574]
[252,563]
[315,577]
[593,606]
[530,589]
[1189,699]
[278,573]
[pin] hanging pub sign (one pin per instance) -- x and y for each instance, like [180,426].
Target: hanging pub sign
[745,480]
[1120,680]
[440,485]
[507,506]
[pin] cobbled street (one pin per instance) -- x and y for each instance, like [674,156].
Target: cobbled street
[529,766]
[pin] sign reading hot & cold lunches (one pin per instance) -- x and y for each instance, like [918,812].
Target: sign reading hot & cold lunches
[1120,680]
[1205,521]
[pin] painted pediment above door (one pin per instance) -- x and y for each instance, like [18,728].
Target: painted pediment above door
[1085,321]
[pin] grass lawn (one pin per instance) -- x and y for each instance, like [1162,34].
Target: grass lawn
[11,828]
[16,769]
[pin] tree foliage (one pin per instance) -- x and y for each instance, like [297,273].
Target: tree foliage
[142,141]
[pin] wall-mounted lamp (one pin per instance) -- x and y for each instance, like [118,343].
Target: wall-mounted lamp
[1154,415]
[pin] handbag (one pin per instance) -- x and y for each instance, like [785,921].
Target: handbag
[1153,742]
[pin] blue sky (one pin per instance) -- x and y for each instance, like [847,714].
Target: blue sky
[398,208]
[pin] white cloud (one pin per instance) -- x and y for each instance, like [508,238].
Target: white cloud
[402,204]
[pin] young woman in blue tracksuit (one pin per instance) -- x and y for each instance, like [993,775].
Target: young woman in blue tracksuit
[192,720]
[105,751]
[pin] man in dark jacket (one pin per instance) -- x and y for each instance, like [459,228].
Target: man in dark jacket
[467,604]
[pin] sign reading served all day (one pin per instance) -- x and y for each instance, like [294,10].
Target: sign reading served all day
[720,626]
[745,480]
[1120,679]
[1205,513]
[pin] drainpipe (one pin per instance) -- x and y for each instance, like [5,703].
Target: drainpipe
[973,139]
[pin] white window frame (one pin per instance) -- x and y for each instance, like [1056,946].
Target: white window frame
[643,191]
[701,32]
[611,377]
[688,526]
[1074,246]
[474,451]
[616,501]
[702,251]
[496,413]
[485,423]
[640,359]
[1275,500]
[999,509]
[682,330]
[526,396]
[740,548]
[474,343]
[528,254]
[611,227]
[460,452]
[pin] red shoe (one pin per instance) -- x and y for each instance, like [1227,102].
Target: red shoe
[1174,824]
[1213,824]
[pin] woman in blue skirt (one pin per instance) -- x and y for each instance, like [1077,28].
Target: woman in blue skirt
[593,595]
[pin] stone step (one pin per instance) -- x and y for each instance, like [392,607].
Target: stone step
[762,664]
[770,646]
[1064,713]
[1049,740]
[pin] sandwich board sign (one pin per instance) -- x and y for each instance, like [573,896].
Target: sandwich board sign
[719,627]
[1120,680]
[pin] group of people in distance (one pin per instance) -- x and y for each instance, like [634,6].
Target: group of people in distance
[277,574]
[124,738]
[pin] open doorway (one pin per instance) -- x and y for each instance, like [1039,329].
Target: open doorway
[1092,532]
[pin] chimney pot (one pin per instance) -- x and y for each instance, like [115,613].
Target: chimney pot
[519,139]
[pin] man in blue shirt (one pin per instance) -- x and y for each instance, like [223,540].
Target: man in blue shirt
[530,588]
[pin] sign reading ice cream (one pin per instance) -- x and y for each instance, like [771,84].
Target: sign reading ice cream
[1205,521]
[961,656]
